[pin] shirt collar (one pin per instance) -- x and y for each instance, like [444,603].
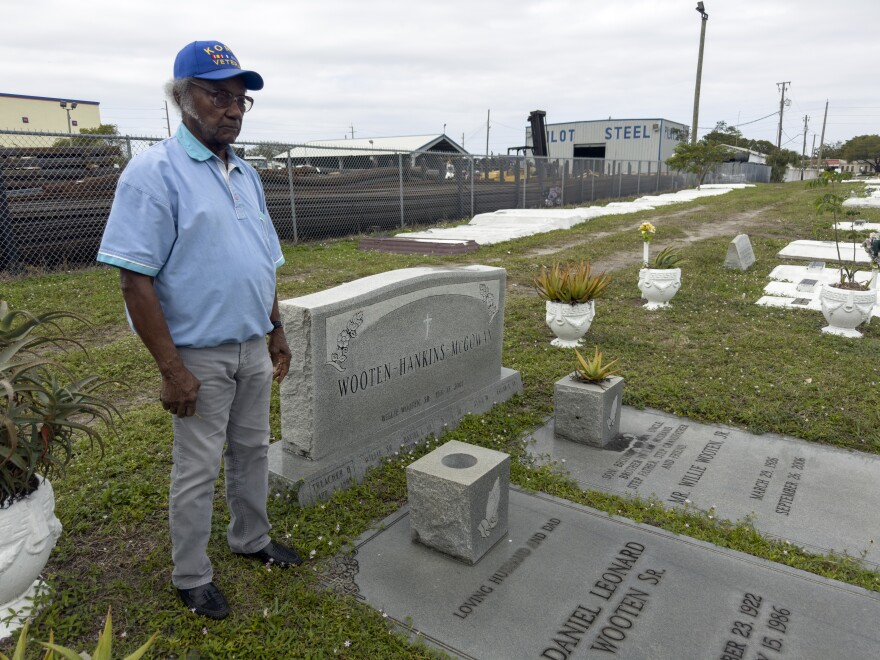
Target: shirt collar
[195,149]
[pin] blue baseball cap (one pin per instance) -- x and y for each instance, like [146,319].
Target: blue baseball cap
[212,60]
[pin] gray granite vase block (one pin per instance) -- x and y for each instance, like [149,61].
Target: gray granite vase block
[458,497]
[586,412]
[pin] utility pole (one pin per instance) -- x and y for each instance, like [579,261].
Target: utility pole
[804,149]
[822,138]
[488,113]
[781,85]
[813,150]
[705,19]
[167,119]
[462,140]
[352,130]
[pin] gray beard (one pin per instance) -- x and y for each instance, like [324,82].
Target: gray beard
[187,107]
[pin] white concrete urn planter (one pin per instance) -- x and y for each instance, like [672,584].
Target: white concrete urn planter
[569,322]
[844,309]
[588,413]
[658,285]
[28,532]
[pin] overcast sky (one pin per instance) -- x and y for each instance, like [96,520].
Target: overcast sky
[408,67]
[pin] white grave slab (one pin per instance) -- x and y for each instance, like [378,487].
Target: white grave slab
[851,226]
[863,202]
[824,251]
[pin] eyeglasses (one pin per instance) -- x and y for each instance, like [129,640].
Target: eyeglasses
[223,99]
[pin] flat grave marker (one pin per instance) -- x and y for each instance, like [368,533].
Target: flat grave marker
[573,582]
[822,498]
[825,251]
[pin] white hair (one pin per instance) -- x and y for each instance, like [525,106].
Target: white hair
[179,92]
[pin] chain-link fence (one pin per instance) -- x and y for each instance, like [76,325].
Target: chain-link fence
[56,190]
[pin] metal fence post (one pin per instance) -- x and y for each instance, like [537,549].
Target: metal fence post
[8,249]
[562,191]
[400,187]
[619,180]
[592,183]
[473,184]
[292,199]
[659,167]
[639,179]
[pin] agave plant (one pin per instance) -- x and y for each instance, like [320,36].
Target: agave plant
[570,284]
[667,258]
[593,370]
[102,652]
[40,416]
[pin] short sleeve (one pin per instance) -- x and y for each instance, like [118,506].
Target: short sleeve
[140,231]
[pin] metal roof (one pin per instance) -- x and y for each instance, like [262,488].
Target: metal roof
[46,98]
[366,146]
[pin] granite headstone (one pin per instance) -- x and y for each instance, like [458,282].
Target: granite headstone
[739,253]
[381,363]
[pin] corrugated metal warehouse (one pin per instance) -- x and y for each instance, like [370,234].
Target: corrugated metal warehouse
[615,139]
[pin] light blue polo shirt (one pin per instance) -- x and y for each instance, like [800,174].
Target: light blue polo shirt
[209,243]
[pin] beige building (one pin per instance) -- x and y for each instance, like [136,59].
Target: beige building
[41,114]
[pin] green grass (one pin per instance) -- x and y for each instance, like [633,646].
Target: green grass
[713,357]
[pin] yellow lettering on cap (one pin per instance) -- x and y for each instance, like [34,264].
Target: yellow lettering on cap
[209,51]
[218,47]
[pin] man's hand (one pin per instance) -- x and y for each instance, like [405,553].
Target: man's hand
[180,390]
[279,351]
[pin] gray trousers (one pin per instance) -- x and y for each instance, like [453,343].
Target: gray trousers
[232,410]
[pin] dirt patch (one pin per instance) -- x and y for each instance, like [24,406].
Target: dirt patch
[738,223]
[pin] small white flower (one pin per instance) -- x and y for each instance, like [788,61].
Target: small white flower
[312,553]
[347,643]
[686,525]
[204,630]
[123,634]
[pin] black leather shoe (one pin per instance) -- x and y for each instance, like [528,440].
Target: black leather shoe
[274,554]
[206,600]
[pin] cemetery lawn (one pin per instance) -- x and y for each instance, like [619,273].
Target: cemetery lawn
[713,357]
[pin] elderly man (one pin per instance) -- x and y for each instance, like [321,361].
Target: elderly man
[197,254]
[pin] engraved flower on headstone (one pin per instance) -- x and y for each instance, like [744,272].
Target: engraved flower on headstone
[492,502]
[489,299]
[344,338]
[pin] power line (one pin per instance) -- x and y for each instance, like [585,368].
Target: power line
[746,123]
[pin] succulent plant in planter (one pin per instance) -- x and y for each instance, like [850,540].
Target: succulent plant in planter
[847,303]
[570,293]
[667,258]
[41,418]
[660,277]
[587,403]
